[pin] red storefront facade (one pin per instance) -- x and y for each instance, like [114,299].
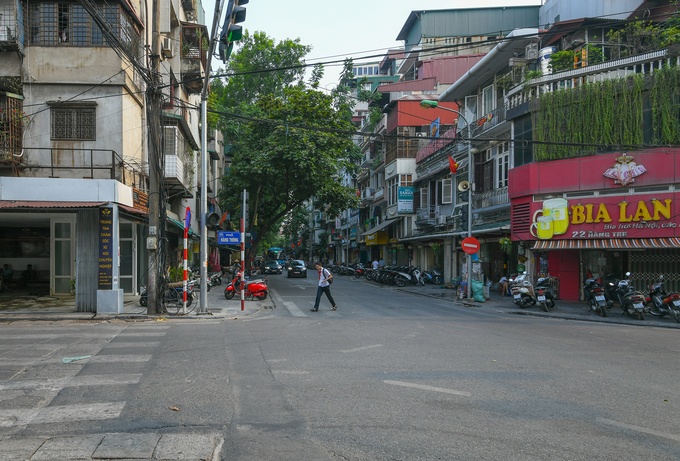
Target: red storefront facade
[602,214]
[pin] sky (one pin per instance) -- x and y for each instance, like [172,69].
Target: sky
[339,29]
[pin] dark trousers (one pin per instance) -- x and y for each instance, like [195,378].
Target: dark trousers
[319,292]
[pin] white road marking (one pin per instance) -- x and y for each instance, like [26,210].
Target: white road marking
[643,430]
[290,372]
[141,345]
[359,349]
[292,308]
[82,412]
[428,388]
[59,414]
[76,381]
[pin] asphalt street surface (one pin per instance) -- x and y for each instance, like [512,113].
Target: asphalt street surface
[393,374]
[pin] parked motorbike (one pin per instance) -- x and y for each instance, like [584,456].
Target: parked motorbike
[663,303]
[359,270]
[416,276]
[215,278]
[594,295]
[253,289]
[545,293]
[434,276]
[522,291]
[632,301]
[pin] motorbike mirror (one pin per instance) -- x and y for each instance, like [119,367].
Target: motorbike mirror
[627,274]
[524,273]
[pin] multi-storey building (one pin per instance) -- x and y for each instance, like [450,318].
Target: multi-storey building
[440,47]
[74,163]
[573,171]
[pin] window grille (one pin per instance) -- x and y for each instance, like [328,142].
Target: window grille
[73,123]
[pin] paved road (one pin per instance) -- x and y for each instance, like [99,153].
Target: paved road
[393,374]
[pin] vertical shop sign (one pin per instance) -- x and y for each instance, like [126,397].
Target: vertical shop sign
[405,199]
[105,248]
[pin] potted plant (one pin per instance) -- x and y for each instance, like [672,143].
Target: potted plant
[506,245]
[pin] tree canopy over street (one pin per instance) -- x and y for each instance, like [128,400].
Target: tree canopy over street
[289,139]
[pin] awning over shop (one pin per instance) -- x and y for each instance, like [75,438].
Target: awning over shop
[381,226]
[607,244]
[180,225]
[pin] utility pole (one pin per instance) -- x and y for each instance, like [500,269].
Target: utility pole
[155,242]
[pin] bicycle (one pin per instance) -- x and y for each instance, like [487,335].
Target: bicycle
[171,297]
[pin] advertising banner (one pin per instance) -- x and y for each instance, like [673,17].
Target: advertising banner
[405,199]
[638,216]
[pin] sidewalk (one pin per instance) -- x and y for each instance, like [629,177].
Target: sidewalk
[62,308]
[568,310]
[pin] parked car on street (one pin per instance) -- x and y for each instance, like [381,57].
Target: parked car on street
[272,267]
[296,268]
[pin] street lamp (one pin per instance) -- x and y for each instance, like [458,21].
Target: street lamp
[431,104]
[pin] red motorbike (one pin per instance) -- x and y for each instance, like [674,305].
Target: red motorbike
[255,289]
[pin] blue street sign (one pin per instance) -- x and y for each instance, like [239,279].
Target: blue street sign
[228,237]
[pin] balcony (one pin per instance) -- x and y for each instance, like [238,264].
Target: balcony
[492,198]
[641,64]
[11,28]
[367,194]
[76,163]
[194,54]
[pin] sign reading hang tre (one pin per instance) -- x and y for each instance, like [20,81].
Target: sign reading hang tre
[605,217]
[105,280]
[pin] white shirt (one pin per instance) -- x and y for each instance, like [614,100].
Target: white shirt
[322,280]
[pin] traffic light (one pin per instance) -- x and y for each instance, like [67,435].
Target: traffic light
[463,217]
[211,220]
[231,31]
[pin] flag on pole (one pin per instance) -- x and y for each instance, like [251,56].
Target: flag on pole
[453,166]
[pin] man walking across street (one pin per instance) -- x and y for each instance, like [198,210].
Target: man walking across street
[324,287]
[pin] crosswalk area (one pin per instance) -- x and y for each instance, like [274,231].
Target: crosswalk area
[62,385]
[48,374]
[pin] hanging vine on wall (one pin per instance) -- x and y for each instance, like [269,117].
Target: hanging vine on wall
[608,113]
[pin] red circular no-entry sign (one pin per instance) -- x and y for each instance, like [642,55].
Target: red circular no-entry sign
[470,245]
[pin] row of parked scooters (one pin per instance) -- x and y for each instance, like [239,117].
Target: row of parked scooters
[524,294]
[391,275]
[601,296]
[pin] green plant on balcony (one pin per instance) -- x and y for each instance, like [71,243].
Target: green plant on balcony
[562,60]
[581,120]
[532,74]
[505,82]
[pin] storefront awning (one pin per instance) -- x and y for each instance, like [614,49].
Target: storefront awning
[607,244]
[180,225]
[381,226]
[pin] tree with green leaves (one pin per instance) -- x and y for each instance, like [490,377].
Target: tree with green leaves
[289,139]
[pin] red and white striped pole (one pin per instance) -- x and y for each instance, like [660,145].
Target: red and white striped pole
[187,222]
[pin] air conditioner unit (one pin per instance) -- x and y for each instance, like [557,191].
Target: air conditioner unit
[531,51]
[421,134]
[441,220]
[166,47]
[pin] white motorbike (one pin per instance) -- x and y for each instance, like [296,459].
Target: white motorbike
[522,291]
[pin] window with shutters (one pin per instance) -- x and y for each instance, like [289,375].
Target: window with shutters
[447,191]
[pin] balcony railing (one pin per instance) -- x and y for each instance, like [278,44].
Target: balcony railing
[80,163]
[641,64]
[490,198]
